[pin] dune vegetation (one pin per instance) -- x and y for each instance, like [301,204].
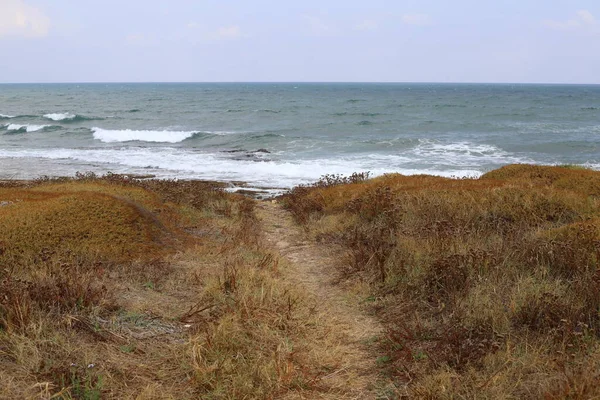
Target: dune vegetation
[121,288]
[488,287]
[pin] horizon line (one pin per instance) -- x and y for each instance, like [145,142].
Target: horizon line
[299,82]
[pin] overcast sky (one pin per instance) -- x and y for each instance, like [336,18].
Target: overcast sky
[554,41]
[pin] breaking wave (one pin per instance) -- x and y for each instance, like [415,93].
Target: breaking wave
[464,154]
[25,127]
[68,117]
[164,136]
[175,163]
[128,135]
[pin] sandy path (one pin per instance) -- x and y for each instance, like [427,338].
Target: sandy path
[312,266]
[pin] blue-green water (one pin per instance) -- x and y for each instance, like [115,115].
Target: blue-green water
[213,131]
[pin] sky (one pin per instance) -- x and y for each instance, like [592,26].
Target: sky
[508,41]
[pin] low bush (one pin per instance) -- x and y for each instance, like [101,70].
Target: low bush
[470,270]
[117,287]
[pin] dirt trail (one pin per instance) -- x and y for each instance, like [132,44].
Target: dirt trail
[312,266]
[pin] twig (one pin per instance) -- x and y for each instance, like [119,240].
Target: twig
[190,314]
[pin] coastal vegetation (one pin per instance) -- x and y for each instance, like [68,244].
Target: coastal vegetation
[118,287]
[488,287]
[113,287]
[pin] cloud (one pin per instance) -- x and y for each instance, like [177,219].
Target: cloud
[367,25]
[586,17]
[20,19]
[583,19]
[417,19]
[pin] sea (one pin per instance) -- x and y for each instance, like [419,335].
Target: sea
[274,136]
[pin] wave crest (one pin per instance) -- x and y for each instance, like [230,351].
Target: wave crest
[128,135]
[26,127]
[68,117]
[59,116]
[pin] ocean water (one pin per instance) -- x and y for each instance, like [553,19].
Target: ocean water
[280,135]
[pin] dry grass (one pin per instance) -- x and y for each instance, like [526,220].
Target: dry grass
[112,287]
[489,288]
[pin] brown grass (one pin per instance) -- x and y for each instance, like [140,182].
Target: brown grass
[112,287]
[489,287]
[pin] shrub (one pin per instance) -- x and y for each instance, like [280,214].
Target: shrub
[470,270]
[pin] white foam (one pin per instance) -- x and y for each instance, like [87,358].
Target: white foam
[59,116]
[27,127]
[182,164]
[590,165]
[6,116]
[128,135]
[464,153]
